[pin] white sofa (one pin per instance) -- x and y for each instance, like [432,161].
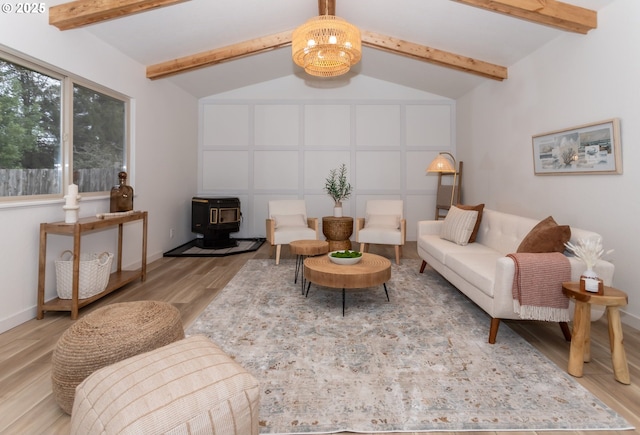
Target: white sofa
[481,269]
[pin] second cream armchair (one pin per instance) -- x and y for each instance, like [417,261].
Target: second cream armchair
[383,224]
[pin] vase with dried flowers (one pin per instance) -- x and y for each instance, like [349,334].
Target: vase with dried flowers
[338,188]
[589,250]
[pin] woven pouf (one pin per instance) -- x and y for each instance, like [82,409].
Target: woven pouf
[187,387]
[108,335]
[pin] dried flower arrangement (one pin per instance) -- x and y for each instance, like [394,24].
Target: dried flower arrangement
[589,250]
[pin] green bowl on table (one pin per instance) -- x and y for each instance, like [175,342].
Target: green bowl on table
[345,257]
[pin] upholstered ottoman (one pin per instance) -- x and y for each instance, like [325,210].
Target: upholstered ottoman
[107,335]
[186,387]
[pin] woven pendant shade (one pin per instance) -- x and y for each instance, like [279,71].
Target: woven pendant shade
[326,46]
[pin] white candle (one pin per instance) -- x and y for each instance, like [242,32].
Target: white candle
[73,190]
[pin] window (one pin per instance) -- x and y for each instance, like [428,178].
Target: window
[98,139]
[39,108]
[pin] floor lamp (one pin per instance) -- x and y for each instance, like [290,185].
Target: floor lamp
[445,165]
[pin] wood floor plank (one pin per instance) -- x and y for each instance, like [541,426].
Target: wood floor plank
[27,405]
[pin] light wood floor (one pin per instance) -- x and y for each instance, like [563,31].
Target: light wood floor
[27,406]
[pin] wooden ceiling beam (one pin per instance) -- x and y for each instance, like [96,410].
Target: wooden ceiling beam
[374,40]
[218,55]
[80,13]
[433,55]
[552,13]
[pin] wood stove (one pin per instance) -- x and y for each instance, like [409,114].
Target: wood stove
[215,219]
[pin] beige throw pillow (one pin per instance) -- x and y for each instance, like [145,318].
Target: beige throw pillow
[479,208]
[382,221]
[290,220]
[458,225]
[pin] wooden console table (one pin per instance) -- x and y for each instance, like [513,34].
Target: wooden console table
[117,279]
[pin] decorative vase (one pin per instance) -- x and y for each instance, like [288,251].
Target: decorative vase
[590,282]
[121,195]
[337,210]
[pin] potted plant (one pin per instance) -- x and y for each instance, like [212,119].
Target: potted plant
[338,188]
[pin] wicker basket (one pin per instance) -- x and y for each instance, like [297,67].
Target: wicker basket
[93,277]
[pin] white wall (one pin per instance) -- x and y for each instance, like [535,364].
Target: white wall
[574,80]
[164,121]
[281,138]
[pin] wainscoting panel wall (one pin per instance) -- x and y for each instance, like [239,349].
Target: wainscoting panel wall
[263,150]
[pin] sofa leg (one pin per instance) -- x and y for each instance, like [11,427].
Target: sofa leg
[422,266]
[493,330]
[565,330]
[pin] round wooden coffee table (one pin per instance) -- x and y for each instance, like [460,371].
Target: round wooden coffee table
[373,270]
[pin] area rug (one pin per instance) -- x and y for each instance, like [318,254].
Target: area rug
[420,362]
[190,249]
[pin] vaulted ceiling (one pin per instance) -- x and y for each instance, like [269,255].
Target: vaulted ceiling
[445,47]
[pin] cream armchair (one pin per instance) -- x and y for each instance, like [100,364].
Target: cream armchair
[383,224]
[287,222]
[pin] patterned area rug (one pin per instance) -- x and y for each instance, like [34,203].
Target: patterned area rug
[420,362]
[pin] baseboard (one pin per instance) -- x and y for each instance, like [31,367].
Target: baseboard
[18,319]
[630,319]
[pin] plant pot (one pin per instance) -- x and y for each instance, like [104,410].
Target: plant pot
[337,209]
[590,282]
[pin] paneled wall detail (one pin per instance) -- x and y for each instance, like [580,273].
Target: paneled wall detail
[263,150]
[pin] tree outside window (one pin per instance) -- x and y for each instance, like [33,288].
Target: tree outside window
[32,114]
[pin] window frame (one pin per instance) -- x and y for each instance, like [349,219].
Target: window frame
[67,82]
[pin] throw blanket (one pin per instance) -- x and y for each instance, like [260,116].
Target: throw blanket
[537,286]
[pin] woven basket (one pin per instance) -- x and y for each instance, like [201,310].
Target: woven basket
[93,278]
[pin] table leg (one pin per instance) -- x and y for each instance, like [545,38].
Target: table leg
[578,339]
[386,292]
[618,355]
[343,298]
[295,278]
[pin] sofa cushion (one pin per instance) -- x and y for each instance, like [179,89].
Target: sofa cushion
[546,236]
[458,225]
[440,248]
[476,227]
[478,268]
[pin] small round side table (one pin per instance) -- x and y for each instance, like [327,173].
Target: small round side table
[303,249]
[581,338]
[337,230]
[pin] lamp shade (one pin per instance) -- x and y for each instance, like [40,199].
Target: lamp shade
[442,164]
[326,46]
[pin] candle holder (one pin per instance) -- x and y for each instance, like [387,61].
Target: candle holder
[70,213]
[71,204]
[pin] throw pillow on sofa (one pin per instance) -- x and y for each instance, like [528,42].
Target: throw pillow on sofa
[546,236]
[458,225]
[479,209]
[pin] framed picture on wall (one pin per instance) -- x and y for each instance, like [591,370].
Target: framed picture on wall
[587,149]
